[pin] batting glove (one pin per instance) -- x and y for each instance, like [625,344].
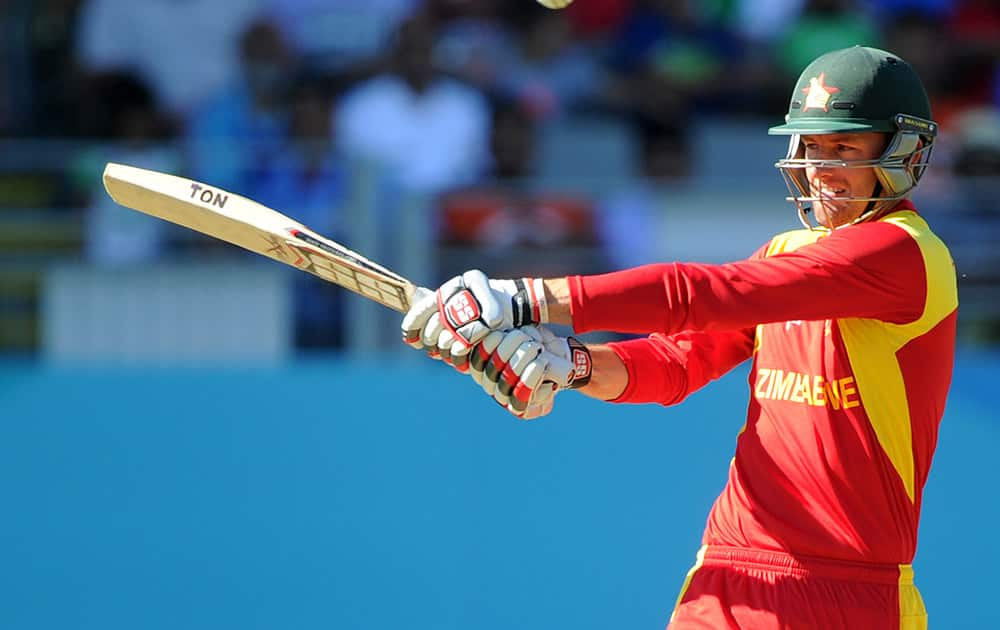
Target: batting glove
[523,369]
[466,308]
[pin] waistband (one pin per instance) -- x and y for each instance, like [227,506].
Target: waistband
[806,566]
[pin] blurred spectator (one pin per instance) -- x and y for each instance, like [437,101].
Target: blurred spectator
[825,25]
[428,130]
[522,53]
[598,18]
[673,35]
[976,161]
[46,106]
[761,22]
[976,26]
[971,227]
[13,79]
[957,71]
[184,50]
[472,39]
[120,106]
[242,127]
[889,9]
[918,38]
[340,35]
[513,145]
[546,70]
[672,58]
[305,177]
[631,220]
[969,83]
[115,235]
[306,181]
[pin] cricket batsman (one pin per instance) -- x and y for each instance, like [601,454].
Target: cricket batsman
[851,327]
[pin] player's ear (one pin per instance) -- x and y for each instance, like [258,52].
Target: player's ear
[915,157]
[886,140]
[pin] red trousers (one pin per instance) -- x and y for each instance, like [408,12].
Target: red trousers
[765,590]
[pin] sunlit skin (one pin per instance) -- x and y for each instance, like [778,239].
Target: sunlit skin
[832,185]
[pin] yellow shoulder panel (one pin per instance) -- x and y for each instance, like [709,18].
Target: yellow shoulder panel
[793,239]
[872,346]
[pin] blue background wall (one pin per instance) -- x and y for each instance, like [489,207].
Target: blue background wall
[329,494]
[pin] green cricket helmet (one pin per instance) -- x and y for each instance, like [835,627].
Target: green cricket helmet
[857,90]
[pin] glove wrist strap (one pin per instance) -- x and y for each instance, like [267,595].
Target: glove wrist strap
[529,303]
[583,364]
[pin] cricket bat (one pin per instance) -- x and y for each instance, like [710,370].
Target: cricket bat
[253,226]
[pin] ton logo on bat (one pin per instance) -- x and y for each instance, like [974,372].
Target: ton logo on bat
[207,195]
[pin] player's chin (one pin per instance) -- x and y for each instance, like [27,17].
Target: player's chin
[832,213]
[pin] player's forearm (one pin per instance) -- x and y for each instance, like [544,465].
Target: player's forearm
[608,377]
[558,298]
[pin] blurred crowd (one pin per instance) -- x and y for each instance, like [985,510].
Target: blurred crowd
[189,63]
[276,99]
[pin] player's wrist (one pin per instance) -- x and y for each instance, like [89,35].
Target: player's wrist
[529,305]
[557,301]
[543,303]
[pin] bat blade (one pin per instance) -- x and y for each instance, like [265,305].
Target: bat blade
[255,227]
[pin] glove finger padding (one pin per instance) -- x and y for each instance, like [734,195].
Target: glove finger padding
[508,378]
[527,385]
[447,353]
[460,362]
[480,355]
[431,335]
[443,342]
[509,349]
[541,404]
[510,375]
[519,373]
[424,305]
[512,340]
[539,380]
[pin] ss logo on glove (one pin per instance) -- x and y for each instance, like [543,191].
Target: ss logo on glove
[461,308]
[582,362]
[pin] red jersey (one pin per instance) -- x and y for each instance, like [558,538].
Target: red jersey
[852,334]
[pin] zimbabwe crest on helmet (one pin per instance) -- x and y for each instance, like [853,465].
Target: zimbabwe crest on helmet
[818,93]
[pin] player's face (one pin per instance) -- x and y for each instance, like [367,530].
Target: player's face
[833,185]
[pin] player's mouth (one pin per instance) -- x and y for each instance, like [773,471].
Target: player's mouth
[830,192]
